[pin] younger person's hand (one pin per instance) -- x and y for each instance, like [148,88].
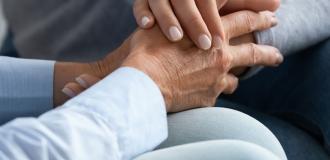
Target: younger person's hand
[199,19]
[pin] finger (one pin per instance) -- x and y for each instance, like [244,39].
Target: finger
[72,89]
[166,19]
[143,14]
[253,5]
[221,3]
[247,38]
[221,85]
[232,84]
[244,22]
[87,80]
[193,23]
[246,55]
[210,14]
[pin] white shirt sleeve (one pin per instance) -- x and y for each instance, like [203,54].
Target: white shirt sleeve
[119,118]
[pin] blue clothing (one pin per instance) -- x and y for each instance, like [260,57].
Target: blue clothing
[26,87]
[94,125]
[8,48]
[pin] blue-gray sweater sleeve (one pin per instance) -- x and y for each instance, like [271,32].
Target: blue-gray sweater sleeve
[302,24]
[26,87]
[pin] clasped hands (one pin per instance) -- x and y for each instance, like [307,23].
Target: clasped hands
[188,77]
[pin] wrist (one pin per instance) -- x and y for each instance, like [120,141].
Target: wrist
[151,66]
[110,63]
[65,72]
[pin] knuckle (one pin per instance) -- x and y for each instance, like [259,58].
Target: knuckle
[249,19]
[215,90]
[216,87]
[165,17]
[233,85]
[221,84]
[252,50]
[208,102]
[225,61]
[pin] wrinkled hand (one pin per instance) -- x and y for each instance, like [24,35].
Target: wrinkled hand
[187,76]
[199,19]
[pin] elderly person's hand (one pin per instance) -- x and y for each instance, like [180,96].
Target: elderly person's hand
[187,76]
[199,19]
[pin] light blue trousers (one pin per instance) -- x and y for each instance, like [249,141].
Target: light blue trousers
[217,133]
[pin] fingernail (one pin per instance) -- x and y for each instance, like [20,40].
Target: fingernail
[274,21]
[279,58]
[68,92]
[217,42]
[268,13]
[144,21]
[204,42]
[82,82]
[271,16]
[175,33]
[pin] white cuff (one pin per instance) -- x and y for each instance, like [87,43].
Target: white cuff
[132,105]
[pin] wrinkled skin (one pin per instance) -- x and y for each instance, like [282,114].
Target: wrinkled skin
[189,77]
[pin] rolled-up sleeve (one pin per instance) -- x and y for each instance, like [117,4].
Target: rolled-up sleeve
[26,87]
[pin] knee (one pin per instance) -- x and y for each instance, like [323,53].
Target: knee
[219,123]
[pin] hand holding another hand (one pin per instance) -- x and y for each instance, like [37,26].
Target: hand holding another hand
[189,77]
